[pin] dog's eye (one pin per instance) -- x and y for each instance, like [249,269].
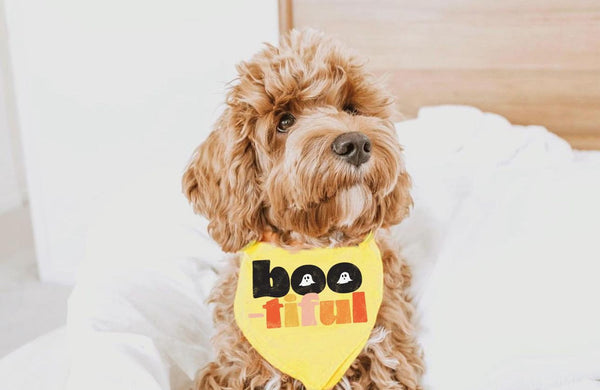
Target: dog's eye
[350,109]
[285,122]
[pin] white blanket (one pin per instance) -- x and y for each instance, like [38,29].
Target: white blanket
[503,241]
[504,245]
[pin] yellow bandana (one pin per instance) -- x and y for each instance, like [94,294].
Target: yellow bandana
[309,312]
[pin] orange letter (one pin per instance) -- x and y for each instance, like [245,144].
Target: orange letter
[359,307]
[341,317]
[273,315]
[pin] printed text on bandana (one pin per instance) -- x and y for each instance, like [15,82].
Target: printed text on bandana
[307,281]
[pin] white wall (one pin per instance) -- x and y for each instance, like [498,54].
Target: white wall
[107,89]
[12,189]
[10,195]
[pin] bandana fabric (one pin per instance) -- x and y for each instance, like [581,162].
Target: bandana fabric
[309,312]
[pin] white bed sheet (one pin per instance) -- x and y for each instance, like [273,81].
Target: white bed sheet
[42,364]
[503,241]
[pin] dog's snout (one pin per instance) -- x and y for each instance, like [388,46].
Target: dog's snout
[353,147]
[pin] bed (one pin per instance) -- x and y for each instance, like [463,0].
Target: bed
[503,238]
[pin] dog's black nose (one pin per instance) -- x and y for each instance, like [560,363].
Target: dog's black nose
[353,147]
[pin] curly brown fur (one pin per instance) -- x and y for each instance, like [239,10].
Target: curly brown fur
[253,182]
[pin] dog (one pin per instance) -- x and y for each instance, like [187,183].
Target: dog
[305,155]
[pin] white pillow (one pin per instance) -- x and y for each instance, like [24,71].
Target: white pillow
[137,317]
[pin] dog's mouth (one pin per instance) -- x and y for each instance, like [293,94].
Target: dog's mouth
[327,198]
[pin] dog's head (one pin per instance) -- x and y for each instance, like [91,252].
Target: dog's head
[305,149]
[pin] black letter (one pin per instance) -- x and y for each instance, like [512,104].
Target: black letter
[349,283]
[308,279]
[261,280]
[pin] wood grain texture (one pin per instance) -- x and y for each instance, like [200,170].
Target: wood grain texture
[285,16]
[534,62]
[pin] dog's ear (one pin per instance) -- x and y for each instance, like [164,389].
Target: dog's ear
[221,183]
[398,202]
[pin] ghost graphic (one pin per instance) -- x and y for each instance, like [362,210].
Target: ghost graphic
[307,280]
[344,278]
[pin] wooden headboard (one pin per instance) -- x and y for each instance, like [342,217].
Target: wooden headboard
[532,61]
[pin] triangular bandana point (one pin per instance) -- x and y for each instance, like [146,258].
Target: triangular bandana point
[309,312]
